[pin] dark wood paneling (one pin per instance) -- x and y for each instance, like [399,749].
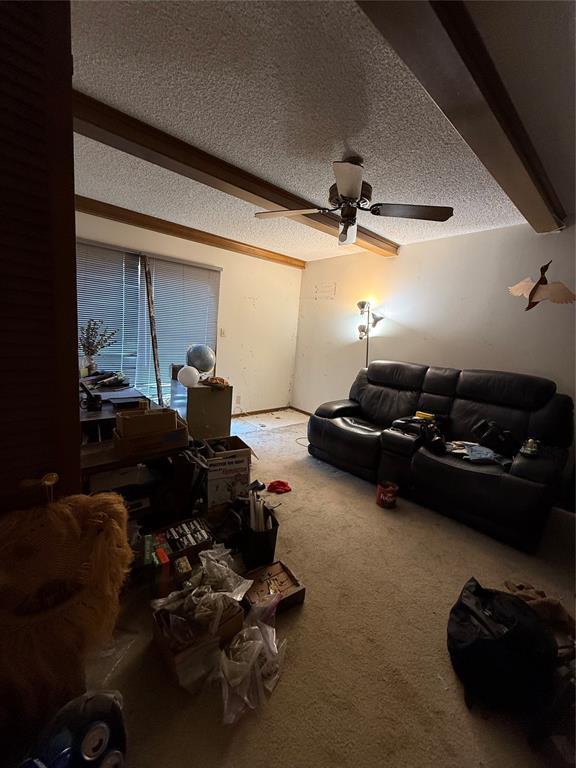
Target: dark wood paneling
[39,362]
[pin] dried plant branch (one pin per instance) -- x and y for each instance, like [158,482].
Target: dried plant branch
[94,338]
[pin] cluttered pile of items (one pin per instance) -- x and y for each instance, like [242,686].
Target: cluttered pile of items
[204,540]
[211,623]
[494,444]
[219,626]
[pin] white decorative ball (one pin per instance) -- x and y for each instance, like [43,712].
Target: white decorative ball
[188,376]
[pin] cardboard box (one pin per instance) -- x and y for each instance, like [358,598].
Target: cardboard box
[183,539]
[146,422]
[187,665]
[228,471]
[275,579]
[149,444]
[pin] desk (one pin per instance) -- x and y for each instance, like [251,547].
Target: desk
[92,422]
[101,457]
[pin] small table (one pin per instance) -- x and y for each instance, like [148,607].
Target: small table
[207,411]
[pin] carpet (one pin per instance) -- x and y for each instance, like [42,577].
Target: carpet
[367,680]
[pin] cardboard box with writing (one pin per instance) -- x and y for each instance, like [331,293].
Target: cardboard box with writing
[228,460]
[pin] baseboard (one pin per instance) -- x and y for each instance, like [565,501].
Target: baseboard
[264,410]
[269,410]
[293,408]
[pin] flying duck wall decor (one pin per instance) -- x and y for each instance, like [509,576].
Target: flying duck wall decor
[535,292]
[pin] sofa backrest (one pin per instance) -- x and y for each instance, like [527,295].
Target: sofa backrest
[526,405]
[388,390]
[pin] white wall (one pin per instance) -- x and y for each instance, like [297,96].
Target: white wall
[258,310]
[446,303]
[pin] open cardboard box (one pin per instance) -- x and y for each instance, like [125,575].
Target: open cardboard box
[186,664]
[228,471]
[272,579]
[151,443]
[146,421]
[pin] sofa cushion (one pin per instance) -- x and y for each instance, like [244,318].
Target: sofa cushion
[347,438]
[446,475]
[441,381]
[439,405]
[382,404]
[515,390]
[396,375]
[465,414]
[554,423]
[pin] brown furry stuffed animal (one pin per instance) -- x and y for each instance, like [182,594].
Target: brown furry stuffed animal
[61,570]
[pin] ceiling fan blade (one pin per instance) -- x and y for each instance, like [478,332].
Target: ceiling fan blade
[348,179]
[426,212]
[280,214]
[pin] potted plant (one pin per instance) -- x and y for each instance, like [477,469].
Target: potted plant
[93,338]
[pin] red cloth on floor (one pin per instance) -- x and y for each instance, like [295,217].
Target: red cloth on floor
[279,486]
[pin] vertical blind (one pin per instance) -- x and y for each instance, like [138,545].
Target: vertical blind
[112,288]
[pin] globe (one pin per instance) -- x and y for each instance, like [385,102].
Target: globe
[201,357]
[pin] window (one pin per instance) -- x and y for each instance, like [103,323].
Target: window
[112,288]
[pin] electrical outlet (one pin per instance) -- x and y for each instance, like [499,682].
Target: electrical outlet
[238,399]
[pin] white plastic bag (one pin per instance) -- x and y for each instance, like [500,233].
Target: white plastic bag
[218,573]
[252,663]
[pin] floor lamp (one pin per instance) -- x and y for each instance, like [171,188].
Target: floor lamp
[372,320]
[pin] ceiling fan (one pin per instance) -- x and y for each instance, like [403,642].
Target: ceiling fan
[351,194]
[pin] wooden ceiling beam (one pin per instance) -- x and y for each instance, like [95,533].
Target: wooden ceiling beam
[164,227]
[110,126]
[440,44]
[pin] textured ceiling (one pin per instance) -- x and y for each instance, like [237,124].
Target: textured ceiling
[115,177]
[280,89]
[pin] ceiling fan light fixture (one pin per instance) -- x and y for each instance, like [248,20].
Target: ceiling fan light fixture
[351,194]
[347,232]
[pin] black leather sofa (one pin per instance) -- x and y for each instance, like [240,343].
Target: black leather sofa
[512,504]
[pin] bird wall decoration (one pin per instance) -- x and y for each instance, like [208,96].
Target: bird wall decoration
[542,290]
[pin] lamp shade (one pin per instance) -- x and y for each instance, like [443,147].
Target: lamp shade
[376,317]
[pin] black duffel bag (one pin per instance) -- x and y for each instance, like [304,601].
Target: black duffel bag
[500,649]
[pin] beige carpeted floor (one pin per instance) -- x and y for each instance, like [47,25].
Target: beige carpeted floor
[367,679]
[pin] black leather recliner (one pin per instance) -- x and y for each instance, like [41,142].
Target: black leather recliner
[512,504]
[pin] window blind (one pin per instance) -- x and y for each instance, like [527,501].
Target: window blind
[109,290]
[112,288]
[186,309]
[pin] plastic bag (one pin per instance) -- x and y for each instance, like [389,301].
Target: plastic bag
[252,664]
[218,573]
[189,618]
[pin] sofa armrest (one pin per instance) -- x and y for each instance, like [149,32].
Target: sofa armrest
[545,468]
[402,443]
[336,408]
